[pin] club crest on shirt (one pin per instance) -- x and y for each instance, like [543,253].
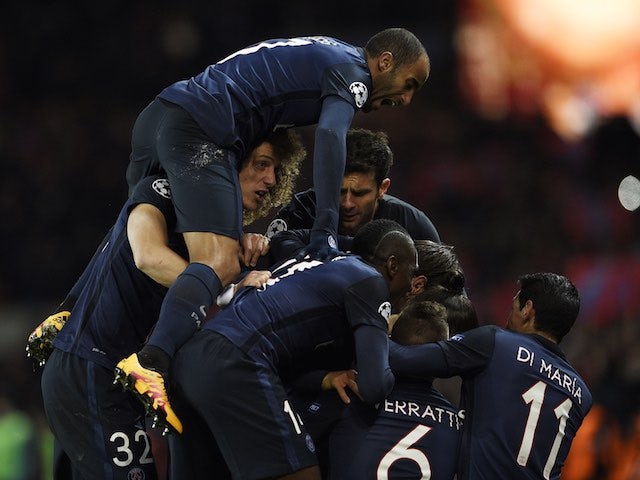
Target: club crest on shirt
[136,474]
[385,310]
[359,92]
[277,225]
[161,187]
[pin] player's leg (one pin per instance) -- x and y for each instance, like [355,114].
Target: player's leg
[97,425]
[194,453]
[246,408]
[206,195]
[143,161]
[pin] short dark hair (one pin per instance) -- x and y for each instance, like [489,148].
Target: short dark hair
[421,322]
[461,314]
[439,263]
[381,238]
[555,299]
[368,151]
[404,45]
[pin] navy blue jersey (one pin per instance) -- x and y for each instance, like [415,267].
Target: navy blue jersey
[281,82]
[522,401]
[118,304]
[300,213]
[305,306]
[414,433]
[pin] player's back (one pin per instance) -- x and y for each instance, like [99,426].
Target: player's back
[415,433]
[522,411]
[117,303]
[306,304]
[281,81]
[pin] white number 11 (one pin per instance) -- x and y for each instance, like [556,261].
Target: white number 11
[535,398]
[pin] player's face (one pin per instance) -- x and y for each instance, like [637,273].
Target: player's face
[396,86]
[258,175]
[359,197]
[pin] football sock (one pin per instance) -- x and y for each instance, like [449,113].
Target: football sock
[185,307]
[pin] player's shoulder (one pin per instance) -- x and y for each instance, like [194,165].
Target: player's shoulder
[298,213]
[390,204]
[353,267]
[481,333]
[154,190]
[409,216]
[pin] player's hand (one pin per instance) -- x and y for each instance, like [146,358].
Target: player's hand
[255,278]
[252,247]
[40,341]
[340,381]
[322,246]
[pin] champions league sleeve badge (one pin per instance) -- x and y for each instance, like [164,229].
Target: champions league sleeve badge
[161,187]
[385,310]
[359,92]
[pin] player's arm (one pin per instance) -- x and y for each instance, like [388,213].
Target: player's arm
[329,156]
[465,354]
[288,243]
[367,307]
[147,232]
[375,378]
[40,340]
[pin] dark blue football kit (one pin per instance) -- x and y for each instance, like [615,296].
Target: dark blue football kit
[522,401]
[227,377]
[300,213]
[95,423]
[234,104]
[197,130]
[414,433]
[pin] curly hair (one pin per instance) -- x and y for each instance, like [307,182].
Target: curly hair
[287,146]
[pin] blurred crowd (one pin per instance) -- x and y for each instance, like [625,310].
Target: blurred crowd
[511,196]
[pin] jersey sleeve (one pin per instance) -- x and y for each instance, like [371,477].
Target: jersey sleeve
[299,213]
[367,303]
[464,354]
[350,81]
[155,190]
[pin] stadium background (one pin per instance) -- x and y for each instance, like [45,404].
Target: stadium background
[519,177]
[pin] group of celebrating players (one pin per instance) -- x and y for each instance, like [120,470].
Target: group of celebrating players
[309,352]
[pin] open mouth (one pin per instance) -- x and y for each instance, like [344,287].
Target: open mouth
[260,194]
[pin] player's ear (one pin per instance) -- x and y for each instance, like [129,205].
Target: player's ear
[418,284]
[385,61]
[384,186]
[528,312]
[392,266]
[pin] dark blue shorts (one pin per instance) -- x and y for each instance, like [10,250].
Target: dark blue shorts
[98,428]
[203,177]
[244,406]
